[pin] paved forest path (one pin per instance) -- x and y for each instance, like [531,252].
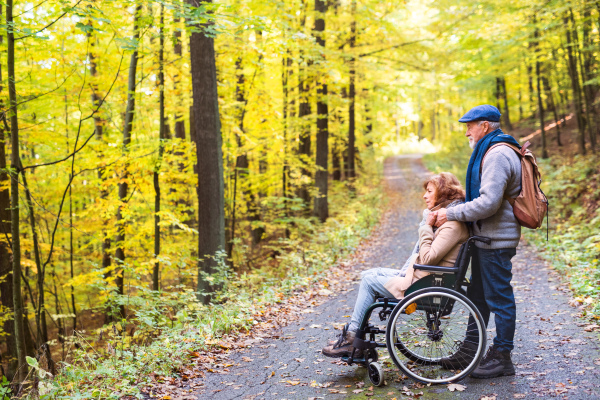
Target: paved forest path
[554,356]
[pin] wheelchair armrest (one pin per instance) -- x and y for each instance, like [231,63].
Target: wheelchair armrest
[436,268]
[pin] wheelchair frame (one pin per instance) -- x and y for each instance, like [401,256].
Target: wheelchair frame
[449,282]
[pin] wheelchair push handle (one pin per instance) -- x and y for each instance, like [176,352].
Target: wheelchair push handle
[482,239]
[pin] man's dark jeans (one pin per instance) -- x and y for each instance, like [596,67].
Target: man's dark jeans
[491,291]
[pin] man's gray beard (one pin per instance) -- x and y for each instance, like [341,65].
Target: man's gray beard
[472,144]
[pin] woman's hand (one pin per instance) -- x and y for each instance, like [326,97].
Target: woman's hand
[431,218]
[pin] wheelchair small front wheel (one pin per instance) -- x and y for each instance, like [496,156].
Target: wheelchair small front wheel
[375,373]
[372,355]
[428,340]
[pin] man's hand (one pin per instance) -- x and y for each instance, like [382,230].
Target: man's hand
[431,218]
[441,217]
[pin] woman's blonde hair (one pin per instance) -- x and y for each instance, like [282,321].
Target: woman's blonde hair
[447,188]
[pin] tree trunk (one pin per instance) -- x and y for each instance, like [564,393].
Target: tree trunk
[433,119]
[40,317]
[240,169]
[321,209]
[285,173]
[506,110]
[288,113]
[539,90]
[211,211]
[552,105]
[123,185]
[498,93]
[178,50]
[350,163]
[6,284]
[161,139]
[589,89]
[420,122]
[22,369]
[574,75]
[99,133]
[563,107]
[368,118]
[304,110]
[530,83]
[520,97]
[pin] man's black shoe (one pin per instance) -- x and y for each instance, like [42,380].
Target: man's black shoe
[462,357]
[495,363]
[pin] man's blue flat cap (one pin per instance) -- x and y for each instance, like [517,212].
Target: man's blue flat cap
[484,112]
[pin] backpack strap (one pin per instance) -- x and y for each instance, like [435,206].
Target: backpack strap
[520,152]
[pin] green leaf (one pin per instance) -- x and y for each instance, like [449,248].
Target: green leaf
[32,361]
[85,27]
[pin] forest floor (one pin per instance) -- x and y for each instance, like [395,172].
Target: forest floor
[554,354]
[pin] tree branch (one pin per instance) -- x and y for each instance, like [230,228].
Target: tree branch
[50,24]
[31,9]
[84,119]
[416,41]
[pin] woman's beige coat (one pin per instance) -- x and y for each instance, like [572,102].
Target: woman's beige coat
[439,248]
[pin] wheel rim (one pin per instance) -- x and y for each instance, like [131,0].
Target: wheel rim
[375,374]
[419,340]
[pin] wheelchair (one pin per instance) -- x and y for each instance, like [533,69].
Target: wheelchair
[426,327]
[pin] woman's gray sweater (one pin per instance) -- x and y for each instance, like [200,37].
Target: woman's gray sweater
[491,214]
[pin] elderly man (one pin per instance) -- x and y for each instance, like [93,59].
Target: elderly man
[488,186]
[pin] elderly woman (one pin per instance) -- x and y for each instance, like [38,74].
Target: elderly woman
[436,246]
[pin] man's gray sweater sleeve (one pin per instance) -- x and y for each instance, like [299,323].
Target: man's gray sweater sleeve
[495,177]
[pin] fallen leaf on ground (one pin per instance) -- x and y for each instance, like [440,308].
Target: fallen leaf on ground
[406,391]
[519,396]
[299,359]
[293,383]
[247,359]
[357,391]
[455,386]
[488,398]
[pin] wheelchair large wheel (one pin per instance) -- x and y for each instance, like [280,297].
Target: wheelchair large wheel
[427,328]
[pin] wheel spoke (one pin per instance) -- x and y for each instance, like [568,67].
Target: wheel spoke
[419,341]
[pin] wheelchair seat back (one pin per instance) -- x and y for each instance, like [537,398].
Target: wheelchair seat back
[449,277]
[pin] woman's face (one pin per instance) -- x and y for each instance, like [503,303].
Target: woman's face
[429,196]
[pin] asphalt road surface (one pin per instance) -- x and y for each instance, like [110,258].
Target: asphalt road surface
[554,356]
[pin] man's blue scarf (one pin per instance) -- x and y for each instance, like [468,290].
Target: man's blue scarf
[474,168]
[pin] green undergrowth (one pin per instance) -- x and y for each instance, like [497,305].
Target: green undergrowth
[572,186]
[165,327]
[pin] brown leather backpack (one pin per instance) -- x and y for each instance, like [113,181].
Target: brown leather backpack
[531,206]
